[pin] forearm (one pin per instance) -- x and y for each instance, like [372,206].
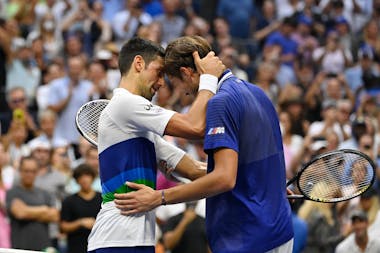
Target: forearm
[192,124]
[59,106]
[70,226]
[172,238]
[207,186]
[190,168]
[29,212]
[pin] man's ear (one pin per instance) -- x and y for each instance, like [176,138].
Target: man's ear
[139,63]
[186,72]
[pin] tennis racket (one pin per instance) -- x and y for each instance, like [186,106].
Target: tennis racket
[335,176]
[87,119]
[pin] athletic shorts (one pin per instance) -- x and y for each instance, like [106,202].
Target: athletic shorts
[140,249]
[284,248]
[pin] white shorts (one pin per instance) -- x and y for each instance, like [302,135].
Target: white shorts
[284,248]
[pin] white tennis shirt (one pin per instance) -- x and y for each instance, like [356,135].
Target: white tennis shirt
[129,146]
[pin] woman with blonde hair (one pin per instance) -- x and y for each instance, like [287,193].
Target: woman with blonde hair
[323,226]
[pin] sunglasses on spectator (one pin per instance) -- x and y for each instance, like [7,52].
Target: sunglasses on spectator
[18,100]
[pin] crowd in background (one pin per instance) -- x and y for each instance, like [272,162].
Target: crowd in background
[317,60]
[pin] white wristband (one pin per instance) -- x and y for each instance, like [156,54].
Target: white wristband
[208,82]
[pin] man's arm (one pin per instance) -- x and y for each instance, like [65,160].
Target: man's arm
[221,179]
[190,168]
[192,124]
[41,213]
[71,226]
[173,237]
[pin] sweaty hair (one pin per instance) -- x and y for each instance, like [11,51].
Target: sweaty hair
[138,46]
[179,53]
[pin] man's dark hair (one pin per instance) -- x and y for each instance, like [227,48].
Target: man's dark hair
[138,46]
[83,169]
[179,53]
[26,158]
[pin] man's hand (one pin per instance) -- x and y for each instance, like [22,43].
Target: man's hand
[87,222]
[210,64]
[142,200]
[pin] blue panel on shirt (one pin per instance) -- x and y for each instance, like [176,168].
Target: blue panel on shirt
[127,161]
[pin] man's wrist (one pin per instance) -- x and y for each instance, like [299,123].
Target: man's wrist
[208,82]
[163,200]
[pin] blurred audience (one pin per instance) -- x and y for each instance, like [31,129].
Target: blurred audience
[318,62]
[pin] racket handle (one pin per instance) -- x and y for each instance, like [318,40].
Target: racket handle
[295,196]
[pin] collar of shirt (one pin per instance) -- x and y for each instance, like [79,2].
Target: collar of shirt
[226,74]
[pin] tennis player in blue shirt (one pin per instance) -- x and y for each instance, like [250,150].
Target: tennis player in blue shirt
[247,210]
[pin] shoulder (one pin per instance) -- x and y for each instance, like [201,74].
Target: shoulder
[58,82]
[345,245]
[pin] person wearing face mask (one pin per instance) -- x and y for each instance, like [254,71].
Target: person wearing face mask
[21,70]
[51,36]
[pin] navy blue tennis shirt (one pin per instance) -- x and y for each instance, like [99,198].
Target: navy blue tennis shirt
[255,216]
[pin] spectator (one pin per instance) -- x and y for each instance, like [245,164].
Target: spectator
[98,76]
[66,96]
[266,22]
[74,46]
[30,210]
[361,241]
[323,227]
[14,142]
[51,36]
[186,232]
[83,146]
[4,225]
[307,43]
[17,101]
[47,120]
[92,161]
[239,17]
[53,71]
[48,179]
[265,79]
[332,57]
[292,142]
[229,56]
[172,24]
[61,162]
[126,22]
[98,29]
[22,71]
[283,39]
[222,36]
[366,66]
[342,27]
[358,128]
[5,55]
[79,210]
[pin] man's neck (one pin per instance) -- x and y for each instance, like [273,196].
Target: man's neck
[129,83]
[362,242]
[87,195]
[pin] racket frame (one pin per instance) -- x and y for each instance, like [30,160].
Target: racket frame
[79,113]
[318,157]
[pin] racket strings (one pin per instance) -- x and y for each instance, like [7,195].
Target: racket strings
[88,119]
[336,177]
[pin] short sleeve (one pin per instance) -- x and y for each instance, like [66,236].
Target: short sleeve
[138,113]
[168,152]
[222,124]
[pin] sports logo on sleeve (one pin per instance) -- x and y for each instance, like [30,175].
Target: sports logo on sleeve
[148,107]
[215,130]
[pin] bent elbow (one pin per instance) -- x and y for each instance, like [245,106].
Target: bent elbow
[226,184]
